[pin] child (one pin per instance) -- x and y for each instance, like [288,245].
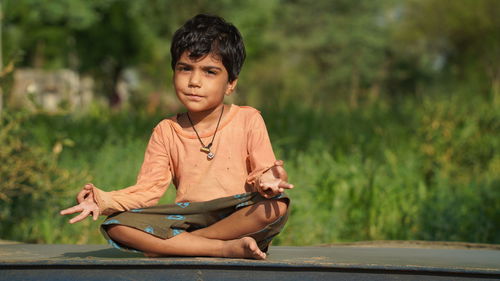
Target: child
[230,200]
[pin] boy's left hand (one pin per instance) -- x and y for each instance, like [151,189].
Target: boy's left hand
[274,181]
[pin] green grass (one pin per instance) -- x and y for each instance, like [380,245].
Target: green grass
[426,169]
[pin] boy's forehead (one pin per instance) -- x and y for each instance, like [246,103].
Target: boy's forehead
[209,58]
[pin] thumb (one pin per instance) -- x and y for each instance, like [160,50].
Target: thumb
[82,195]
[280,173]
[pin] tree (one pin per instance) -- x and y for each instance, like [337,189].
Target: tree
[329,50]
[458,38]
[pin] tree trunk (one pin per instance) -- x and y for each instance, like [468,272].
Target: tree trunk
[115,100]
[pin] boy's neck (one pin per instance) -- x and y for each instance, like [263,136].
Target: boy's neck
[206,120]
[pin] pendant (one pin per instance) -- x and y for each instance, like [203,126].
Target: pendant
[210,155]
[206,149]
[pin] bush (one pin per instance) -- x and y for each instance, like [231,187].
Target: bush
[32,187]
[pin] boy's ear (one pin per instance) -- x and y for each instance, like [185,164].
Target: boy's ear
[231,86]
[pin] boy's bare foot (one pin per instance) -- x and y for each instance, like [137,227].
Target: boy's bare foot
[245,247]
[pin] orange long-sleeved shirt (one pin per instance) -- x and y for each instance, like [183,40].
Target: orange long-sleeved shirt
[242,150]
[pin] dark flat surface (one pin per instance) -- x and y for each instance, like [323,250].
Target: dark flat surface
[340,257]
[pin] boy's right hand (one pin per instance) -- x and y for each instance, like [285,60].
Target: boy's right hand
[86,205]
[274,181]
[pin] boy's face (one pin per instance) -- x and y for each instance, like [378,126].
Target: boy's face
[201,84]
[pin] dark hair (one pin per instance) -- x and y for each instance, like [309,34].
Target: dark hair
[205,34]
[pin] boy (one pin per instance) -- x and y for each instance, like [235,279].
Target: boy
[230,200]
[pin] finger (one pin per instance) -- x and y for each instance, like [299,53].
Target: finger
[95,214]
[272,191]
[280,173]
[262,193]
[82,195]
[275,190]
[72,210]
[272,188]
[80,217]
[285,185]
[272,194]
[267,191]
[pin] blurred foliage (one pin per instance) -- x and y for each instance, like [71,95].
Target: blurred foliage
[320,51]
[422,170]
[33,186]
[385,112]
[426,169]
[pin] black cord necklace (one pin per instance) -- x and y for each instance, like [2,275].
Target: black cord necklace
[206,148]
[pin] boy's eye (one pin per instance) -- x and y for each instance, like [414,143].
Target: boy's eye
[211,72]
[183,68]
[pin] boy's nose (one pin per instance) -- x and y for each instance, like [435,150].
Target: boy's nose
[195,79]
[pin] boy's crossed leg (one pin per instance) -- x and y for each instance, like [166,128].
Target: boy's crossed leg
[245,221]
[221,239]
[185,244]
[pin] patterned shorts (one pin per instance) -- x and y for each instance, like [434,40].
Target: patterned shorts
[166,221]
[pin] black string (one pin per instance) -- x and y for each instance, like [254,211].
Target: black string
[217,127]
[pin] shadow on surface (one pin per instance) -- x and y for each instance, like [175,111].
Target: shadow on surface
[105,253]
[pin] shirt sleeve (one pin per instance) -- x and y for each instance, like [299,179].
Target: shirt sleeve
[152,182]
[260,151]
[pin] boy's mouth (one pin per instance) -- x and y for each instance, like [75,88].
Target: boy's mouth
[194,96]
